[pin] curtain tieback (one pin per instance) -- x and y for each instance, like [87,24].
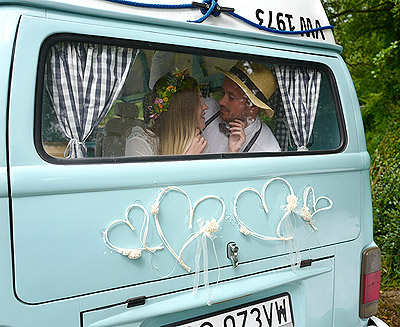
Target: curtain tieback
[302,148]
[71,143]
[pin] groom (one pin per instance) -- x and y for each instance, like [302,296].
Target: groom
[234,125]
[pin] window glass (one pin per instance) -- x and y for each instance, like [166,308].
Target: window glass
[111,101]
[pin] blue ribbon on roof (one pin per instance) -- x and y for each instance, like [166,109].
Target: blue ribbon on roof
[211,7]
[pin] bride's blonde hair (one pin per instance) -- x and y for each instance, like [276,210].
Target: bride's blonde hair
[177,126]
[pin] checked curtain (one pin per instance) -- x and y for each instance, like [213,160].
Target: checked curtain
[83,81]
[299,87]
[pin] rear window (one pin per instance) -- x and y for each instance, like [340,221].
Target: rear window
[140,102]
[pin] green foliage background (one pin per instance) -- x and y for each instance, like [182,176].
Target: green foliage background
[369,31]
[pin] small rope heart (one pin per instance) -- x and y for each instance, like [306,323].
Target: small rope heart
[306,213]
[131,253]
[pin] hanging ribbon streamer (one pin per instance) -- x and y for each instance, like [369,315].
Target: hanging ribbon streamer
[132,253]
[207,230]
[215,10]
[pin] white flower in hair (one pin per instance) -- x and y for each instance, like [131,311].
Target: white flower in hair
[291,202]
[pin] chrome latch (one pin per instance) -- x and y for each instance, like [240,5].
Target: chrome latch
[232,253]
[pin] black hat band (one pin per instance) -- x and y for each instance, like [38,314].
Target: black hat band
[248,82]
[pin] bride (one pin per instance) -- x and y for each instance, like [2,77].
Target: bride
[178,114]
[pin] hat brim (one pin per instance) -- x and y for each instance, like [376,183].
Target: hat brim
[268,111]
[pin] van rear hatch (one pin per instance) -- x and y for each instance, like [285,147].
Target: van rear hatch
[59,251]
[60,211]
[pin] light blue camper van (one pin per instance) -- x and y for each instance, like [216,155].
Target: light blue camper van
[102,225]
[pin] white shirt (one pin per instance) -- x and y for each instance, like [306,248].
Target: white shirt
[218,141]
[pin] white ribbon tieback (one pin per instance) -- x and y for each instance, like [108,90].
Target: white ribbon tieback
[71,144]
[132,253]
[305,213]
[302,148]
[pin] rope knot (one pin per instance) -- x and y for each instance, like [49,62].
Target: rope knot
[305,214]
[185,266]
[291,202]
[208,4]
[155,208]
[72,145]
[244,230]
[207,9]
[131,253]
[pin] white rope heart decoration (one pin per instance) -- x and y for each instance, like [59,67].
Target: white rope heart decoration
[155,209]
[206,230]
[210,227]
[290,207]
[132,253]
[305,211]
[245,229]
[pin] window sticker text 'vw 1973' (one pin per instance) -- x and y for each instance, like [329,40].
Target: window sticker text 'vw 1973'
[271,312]
[286,22]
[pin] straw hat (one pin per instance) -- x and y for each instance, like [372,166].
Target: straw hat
[256,81]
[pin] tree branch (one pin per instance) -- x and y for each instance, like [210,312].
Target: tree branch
[363,11]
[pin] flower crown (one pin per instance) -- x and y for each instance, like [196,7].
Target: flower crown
[175,82]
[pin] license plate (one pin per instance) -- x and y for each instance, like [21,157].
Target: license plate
[271,312]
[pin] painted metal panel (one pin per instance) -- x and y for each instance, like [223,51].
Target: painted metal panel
[60,211]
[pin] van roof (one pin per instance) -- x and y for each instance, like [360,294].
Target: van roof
[292,21]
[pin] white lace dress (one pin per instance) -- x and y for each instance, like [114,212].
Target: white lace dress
[141,143]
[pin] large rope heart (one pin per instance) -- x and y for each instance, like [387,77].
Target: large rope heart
[290,207]
[155,210]
[207,229]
